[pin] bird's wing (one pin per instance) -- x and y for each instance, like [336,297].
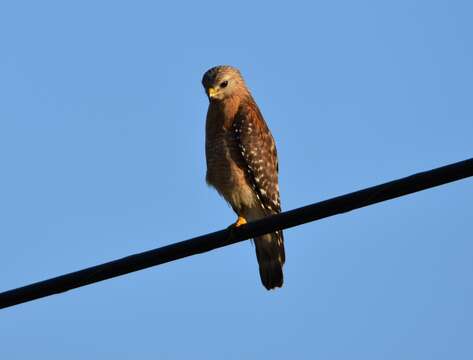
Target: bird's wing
[258,149]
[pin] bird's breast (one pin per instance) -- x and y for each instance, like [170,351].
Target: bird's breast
[226,170]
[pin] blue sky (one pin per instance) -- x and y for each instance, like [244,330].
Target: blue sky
[102,156]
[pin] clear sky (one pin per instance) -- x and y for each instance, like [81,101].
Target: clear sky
[102,155]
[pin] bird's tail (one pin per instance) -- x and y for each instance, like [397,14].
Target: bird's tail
[271,257]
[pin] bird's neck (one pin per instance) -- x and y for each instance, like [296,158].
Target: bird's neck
[226,109]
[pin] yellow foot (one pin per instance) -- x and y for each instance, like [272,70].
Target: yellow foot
[241,221]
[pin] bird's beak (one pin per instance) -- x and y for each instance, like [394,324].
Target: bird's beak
[212,92]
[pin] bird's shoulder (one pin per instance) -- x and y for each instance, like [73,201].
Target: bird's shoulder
[249,112]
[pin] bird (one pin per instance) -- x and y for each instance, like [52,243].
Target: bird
[242,163]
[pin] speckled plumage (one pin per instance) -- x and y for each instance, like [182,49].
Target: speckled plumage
[242,162]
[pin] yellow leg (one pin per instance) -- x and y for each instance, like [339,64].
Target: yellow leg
[240,221]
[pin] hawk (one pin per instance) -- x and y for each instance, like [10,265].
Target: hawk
[242,163]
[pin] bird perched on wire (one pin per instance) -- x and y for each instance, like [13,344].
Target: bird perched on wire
[242,162]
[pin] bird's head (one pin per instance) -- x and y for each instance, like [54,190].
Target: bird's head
[223,81]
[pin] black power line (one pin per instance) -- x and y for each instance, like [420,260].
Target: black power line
[200,244]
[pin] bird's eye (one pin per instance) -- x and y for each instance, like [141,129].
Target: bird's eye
[224,84]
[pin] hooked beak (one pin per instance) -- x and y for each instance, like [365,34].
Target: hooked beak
[212,92]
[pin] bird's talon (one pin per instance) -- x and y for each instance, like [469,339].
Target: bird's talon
[240,221]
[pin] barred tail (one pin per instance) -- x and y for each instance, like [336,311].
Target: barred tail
[271,257]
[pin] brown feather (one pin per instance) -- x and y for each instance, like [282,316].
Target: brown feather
[242,163]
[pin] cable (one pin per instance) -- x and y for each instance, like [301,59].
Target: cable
[200,244]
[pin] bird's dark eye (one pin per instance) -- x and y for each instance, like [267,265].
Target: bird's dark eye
[224,84]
